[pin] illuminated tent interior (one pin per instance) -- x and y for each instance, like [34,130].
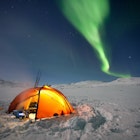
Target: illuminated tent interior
[44,101]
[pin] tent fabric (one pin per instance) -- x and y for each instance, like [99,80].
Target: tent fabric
[50,102]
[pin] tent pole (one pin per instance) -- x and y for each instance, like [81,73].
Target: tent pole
[38,102]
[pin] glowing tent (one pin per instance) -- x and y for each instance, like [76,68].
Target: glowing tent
[43,101]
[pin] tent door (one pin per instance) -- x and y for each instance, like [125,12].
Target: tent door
[33,107]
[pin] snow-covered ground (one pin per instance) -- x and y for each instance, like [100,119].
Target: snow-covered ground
[106,111]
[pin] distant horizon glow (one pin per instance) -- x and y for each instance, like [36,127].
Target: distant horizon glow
[87,17]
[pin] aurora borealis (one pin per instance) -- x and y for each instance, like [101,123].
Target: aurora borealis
[88,16]
[42,35]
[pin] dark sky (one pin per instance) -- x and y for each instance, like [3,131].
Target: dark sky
[34,35]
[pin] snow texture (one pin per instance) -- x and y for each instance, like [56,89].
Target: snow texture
[105,111]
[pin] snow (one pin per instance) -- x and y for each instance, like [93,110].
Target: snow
[105,111]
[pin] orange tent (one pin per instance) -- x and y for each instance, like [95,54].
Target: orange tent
[44,101]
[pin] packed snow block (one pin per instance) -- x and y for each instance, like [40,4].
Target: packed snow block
[87,115]
[86,112]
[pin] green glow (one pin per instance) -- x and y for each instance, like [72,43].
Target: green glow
[88,16]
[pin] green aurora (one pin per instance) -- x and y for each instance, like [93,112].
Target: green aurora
[88,16]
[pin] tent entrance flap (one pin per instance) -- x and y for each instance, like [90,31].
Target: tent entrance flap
[33,107]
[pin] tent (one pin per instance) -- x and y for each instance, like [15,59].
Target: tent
[43,101]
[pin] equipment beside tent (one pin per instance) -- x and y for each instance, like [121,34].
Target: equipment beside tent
[44,102]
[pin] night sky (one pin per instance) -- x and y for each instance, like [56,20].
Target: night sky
[35,35]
